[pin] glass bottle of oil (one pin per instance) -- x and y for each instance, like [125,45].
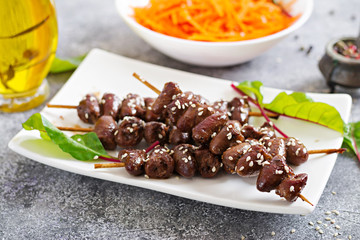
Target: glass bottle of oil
[28,41]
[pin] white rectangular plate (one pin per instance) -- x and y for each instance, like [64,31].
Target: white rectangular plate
[106,72]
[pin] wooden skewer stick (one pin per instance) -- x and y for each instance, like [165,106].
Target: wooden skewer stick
[149,85]
[327,151]
[305,199]
[109,165]
[75,129]
[61,106]
[258,114]
[317,151]
[142,80]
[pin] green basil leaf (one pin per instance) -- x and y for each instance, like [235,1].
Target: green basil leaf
[252,89]
[65,65]
[82,147]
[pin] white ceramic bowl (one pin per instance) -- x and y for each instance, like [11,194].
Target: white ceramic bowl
[213,54]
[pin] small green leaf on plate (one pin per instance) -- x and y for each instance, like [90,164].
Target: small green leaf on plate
[252,89]
[298,105]
[81,147]
[352,137]
[64,65]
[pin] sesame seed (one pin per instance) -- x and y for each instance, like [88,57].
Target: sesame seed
[281,172]
[327,213]
[265,163]
[231,158]
[242,237]
[292,231]
[311,223]
[242,168]
[146,176]
[173,109]
[272,233]
[328,219]
[258,155]
[160,136]
[297,151]
[319,222]
[259,162]
[186,161]
[86,115]
[79,139]
[248,158]
[96,157]
[229,136]
[189,157]
[332,221]
[200,113]
[213,169]
[131,130]
[292,189]
[336,212]
[164,106]
[124,155]
[336,234]
[337,227]
[317,228]
[321,231]
[349,237]
[251,164]
[333,193]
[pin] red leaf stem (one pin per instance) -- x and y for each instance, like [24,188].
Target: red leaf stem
[152,146]
[355,147]
[109,159]
[261,110]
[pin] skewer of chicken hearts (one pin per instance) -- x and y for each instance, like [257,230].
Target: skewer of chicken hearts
[187,159]
[189,120]
[206,130]
[161,162]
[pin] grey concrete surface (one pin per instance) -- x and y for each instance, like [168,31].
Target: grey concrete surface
[41,202]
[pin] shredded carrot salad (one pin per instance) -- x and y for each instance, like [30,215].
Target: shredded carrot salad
[214,20]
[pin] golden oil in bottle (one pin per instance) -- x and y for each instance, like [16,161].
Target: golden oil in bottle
[28,41]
